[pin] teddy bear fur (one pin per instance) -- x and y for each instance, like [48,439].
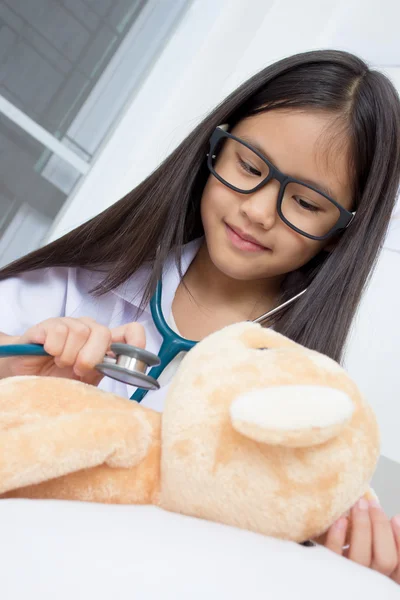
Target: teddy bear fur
[258,432]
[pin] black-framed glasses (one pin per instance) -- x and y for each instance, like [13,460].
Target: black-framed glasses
[304,208]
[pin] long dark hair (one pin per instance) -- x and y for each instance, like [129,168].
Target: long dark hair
[162,213]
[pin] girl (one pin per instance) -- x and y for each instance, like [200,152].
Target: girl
[295,190]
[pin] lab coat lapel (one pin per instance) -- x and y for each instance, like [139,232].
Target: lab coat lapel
[170,276]
[134,287]
[132,290]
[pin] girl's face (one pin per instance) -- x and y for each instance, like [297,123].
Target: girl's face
[300,144]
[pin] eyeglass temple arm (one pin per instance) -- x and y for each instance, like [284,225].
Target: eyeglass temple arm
[276,310]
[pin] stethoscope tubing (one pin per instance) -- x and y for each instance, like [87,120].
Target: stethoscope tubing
[172,344]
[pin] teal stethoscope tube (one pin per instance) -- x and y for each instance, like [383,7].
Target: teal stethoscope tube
[172,343]
[23,350]
[171,346]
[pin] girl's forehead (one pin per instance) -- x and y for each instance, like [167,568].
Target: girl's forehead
[308,145]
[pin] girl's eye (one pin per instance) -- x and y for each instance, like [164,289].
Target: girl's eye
[306,205]
[248,168]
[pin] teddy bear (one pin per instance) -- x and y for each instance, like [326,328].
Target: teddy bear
[258,433]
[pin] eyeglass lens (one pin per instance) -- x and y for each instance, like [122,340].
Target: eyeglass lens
[302,207]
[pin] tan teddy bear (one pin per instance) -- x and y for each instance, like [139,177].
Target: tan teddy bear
[258,432]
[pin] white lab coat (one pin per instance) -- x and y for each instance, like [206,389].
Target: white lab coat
[32,297]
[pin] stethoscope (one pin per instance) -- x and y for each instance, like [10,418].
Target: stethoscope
[130,363]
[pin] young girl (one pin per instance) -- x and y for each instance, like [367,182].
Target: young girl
[294,191]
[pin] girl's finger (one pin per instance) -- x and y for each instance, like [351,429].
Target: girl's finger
[396,532]
[93,351]
[34,335]
[384,551]
[336,536]
[55,338]
[78,334]
[360,550]
[131,333]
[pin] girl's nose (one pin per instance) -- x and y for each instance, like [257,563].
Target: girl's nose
[260,207]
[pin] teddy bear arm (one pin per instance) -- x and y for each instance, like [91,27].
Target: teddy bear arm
[292,416]
[52,447]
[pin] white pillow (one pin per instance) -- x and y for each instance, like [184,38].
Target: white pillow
[74,551]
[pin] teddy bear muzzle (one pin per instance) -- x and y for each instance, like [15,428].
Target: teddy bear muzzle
[293,416]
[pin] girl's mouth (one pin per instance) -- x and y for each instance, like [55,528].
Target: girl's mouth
[246,245]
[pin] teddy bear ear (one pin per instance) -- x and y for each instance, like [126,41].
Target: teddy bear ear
[293,415]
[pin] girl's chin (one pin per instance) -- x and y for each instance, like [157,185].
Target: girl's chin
[240,272]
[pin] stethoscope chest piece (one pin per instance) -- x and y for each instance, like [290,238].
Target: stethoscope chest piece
[130,365]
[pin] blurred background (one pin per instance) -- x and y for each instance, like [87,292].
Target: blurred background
[95,93]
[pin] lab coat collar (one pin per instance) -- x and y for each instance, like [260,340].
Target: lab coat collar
[132,290]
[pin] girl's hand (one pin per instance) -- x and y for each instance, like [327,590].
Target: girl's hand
[75,347]
[373,541]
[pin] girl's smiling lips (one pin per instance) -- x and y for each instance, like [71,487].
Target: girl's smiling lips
[243,241]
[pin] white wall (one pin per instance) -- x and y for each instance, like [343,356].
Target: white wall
[187,80]
[373,354]
[217,46]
